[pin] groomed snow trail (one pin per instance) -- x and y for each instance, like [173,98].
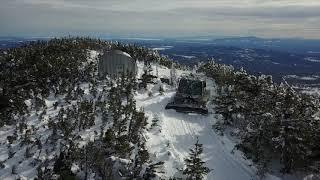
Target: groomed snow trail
[177,134]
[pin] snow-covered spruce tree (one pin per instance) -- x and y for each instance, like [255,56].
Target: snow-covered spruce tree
[161,90]
[63,126]
[195,168]
[105,117]
[129,85]
[122,145]
[93,159]
[39,103]
[147,76]
[14,169]
[115,106]
[93,88]
[130,109]
[86,114]
[128,123]
[139,124]
[152,169]
[155,121]
[140,159]
[62,167]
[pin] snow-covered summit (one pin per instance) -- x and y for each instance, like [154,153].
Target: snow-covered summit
[167,138]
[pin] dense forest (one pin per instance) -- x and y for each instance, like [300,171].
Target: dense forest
[273,121]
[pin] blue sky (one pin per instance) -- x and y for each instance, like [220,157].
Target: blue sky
[165,18]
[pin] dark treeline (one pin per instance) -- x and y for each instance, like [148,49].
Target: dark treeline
[275,122]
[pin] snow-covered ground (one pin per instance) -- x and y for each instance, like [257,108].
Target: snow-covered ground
[169,142]
[177,132]
[26,168]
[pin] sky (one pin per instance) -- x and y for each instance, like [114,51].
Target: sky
[161,18]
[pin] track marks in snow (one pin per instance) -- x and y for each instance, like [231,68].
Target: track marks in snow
[178,134]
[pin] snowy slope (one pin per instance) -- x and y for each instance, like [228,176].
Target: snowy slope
[177,133]
[169,142]
[26,168]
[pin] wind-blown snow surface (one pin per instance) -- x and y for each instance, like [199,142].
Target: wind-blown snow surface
[177,132]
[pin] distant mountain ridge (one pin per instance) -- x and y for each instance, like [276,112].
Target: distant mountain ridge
[277,57]
[294,45]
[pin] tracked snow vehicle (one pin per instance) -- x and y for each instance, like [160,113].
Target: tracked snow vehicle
[191,96]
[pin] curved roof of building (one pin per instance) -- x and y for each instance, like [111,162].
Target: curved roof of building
[119,52]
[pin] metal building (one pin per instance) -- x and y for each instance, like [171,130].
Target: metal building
[114,63]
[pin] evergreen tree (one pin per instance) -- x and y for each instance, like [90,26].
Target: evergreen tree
[155,120]
[62,167]
[147,76]
[141,158]
[105,117]
[195,166]
[14,169]
[139,124]
[151,170]
[161,90]
[115,106]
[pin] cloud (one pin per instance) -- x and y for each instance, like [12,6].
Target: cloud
[281,18]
